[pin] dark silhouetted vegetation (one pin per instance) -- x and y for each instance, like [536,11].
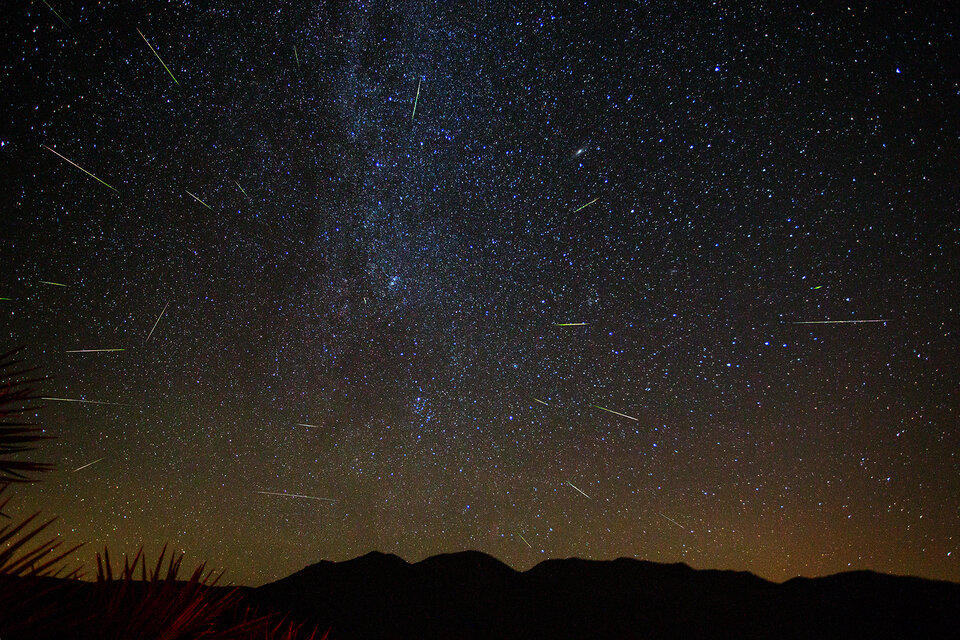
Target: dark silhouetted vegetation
[41,597]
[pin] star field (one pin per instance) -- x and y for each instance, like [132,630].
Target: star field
[680,185]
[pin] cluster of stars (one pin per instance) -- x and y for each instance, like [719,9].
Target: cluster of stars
[602,281]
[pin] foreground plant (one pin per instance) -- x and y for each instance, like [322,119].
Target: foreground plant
[20,553]
[158,605]
[29,564]
[40,599]
[17,394]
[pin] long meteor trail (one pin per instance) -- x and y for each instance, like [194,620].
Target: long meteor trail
[200,201]
[117,404]
[78,167]
[413,115]
[56,284]
[524,540]
[586,205]
[87,465]
[56,14]
[673,521]
[569,324]
[596,406]
[584,495]
[308,426]
[92,350]
[157,322]
[158,56]
[840,321]
[294,495]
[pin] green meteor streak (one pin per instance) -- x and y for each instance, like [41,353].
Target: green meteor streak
[569,324]
[78,167]
[296,57]
[158,56]
[596,406]
[6,298]
[819,286]
[586,205]
[201,201]
[541,402]
[241,188]
[524,540]
[56,14]
[56,284]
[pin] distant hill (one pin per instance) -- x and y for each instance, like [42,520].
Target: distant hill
[472,595]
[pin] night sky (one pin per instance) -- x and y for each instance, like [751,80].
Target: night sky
[373,217]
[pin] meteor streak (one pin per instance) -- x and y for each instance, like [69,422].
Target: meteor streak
[308,426]
[541,402]
[56,14]
[584,495]
[87,465]
[569,324]
[92,350]
[241,188]
[293,495]
[840,321]
[78,167]
[157,322]
[296,57]
[56,284]
[412,115]
[586,205]
[673,521]
[117,404]
[158,56]
[200,201]
[596,406]
[524,539]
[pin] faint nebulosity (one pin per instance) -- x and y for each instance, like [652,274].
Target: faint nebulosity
[678,185]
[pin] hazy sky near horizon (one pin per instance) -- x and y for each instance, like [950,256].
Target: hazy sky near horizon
[668,281]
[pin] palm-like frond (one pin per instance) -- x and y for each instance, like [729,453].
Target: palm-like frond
[21,555]
[30,592]
[35,602]
[158,605]
[17,394]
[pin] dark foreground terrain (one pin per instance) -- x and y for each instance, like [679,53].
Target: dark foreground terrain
[472,595]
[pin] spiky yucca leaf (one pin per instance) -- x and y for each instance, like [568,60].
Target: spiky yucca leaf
[16,396]
[30,593]
[22,555]
[40,560]
[35,604]
[159,606]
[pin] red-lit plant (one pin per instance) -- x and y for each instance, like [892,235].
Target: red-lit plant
[40,599]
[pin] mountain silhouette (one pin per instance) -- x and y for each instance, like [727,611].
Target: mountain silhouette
[470,595]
